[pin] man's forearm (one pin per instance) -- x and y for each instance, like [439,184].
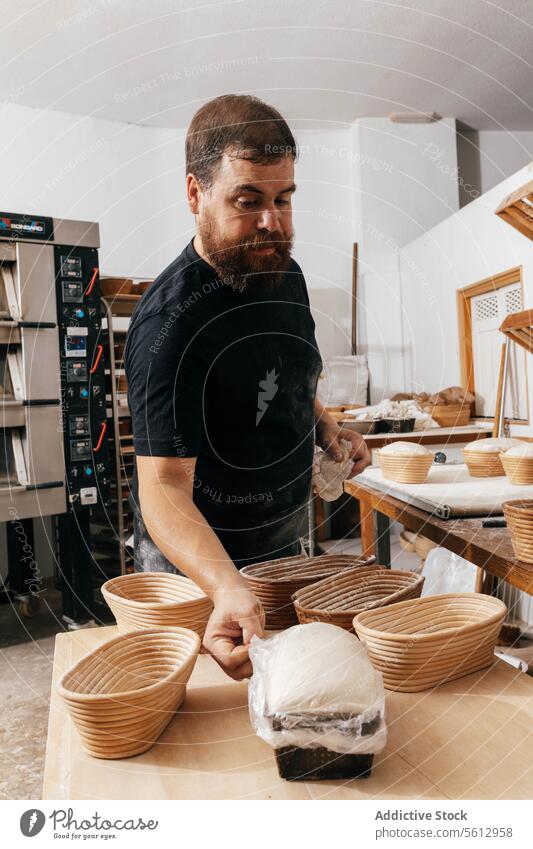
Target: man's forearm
[183,535]
[323,419]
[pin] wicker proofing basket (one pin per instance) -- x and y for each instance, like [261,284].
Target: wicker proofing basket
[341,597]
[403,468]
[150,599]
[483,464]
[275,581]
[122,695]
[519,518]
[424,642]
[519,470]
[449,415]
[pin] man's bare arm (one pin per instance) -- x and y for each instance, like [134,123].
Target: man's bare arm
[183,535]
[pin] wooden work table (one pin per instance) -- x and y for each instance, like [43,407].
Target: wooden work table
[469,739]
[432,436]
[488,548]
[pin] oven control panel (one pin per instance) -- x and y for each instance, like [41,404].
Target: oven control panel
[82,365]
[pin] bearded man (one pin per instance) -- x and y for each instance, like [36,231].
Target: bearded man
[222,366]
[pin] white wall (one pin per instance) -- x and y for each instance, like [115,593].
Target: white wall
[120,175]
[468,246]
[405,182]
[324,225]
[131,180]
[502,154]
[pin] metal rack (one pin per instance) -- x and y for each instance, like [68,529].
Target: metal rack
[120,514]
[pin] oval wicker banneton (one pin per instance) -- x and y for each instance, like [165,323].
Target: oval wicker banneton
[519,470]
[483,464]
[275,581]
[403,468]
[519,517]
[150,599]
[424,642]
[122,695]
[340,597]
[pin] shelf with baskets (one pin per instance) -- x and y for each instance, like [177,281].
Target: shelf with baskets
[111,531]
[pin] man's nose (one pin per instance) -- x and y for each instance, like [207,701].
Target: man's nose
[268,220]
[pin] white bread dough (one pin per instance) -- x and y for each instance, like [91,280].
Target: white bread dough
[525,449]
[320,668]
[405,449]
[492,445]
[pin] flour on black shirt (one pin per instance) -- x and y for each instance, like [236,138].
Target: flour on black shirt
[229,379]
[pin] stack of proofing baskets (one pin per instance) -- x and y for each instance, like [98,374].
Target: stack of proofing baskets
[123,695]
[275,581]
[417,643]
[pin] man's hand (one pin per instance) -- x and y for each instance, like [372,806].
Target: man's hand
[330,437]
[236,617]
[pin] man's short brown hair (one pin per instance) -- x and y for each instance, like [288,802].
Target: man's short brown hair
[239,122]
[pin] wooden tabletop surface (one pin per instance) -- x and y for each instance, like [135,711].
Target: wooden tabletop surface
[469,739]
[489,548]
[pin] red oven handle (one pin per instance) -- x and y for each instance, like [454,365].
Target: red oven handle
[92,281]
[100,349]
[100,438]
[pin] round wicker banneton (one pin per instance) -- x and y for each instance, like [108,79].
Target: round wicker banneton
[483,464]
[519,517]
[122,695]
[403,468]
[421,643]
[340,597]
[275,581]
[150,599]
[519,470]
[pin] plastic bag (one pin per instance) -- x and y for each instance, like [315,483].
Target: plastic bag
[446,572]
[338,719]
[329,475]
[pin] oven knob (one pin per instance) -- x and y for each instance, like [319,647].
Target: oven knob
[88,471]
[84,393]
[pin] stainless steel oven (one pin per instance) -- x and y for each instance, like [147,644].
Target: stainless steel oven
[42,261]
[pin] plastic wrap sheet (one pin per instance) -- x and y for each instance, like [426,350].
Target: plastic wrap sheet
[338,730]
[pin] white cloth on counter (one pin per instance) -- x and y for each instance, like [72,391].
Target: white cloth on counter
[452,488]
[328,474]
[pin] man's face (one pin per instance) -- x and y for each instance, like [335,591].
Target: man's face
[245,222]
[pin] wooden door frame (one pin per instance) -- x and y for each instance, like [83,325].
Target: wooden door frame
[464,321]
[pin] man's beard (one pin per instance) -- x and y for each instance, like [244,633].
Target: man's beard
[238,266]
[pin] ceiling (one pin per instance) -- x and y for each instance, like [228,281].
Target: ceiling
[321,62]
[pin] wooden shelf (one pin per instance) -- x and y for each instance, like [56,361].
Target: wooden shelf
[519,328]
[517,210]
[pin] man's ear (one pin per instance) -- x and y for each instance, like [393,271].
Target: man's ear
[193,194]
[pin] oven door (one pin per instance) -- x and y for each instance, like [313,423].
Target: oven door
[31,443]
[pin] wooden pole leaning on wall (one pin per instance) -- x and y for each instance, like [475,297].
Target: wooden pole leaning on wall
[498,411]
[354,297]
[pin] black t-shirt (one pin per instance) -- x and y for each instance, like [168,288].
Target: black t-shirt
[230,379]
